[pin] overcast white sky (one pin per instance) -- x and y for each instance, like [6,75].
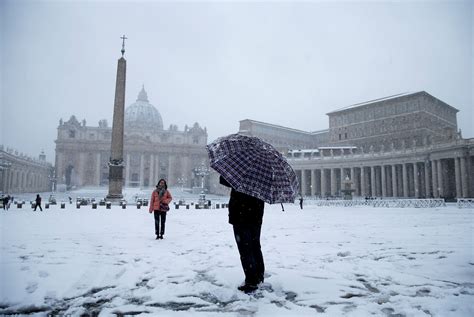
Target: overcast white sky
[286,63]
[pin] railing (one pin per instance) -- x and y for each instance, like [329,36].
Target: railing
[389,203]
[465,203]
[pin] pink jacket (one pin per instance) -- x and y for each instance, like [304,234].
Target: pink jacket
[155,200]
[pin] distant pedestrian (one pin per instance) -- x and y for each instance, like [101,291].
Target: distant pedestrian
[70,199]
[38,202]
[6,200]
[9,201]
[301,202]
[282,208]
[159,205]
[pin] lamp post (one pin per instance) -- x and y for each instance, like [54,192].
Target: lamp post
[201,171]
[52,180]
[181,181]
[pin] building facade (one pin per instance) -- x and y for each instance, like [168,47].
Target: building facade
[400,146]
[150,151]
[20,173]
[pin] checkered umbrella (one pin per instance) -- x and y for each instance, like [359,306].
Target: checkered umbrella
[254,167]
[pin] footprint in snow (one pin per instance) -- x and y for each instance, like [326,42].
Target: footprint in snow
[31,287]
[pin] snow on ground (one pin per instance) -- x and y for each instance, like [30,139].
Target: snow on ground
[319,261]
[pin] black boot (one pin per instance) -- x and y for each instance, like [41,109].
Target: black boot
[247,288]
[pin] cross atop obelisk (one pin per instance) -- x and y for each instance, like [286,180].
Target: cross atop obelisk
[116,152]
[123,44]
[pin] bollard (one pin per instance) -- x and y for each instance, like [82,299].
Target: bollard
[108,205]
[78,205]
[63,205]
[46,206]
[187,206]
[177,206]
[139,205]
[217,206]
[19,205]
[197,206]
[94,205]
[124,206]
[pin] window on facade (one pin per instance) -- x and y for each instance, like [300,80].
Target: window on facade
[340,136]
[195,140]
[72,133]
[345,135]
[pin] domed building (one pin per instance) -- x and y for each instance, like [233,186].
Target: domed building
[151,152]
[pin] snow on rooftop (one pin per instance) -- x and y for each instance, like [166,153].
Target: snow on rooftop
[373,101]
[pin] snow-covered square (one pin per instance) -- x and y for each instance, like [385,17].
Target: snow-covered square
[330,261]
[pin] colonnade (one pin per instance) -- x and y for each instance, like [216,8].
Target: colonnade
[419,179]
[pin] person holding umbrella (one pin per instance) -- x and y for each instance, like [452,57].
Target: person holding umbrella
[256,173]
[246,217]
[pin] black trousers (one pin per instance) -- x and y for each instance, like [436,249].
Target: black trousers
[248,243]
[160,219]
[38,205]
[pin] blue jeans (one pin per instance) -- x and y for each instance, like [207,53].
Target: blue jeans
[247,237]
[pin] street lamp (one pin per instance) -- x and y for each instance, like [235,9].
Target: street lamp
[182,180]
[202,171]
[52,179]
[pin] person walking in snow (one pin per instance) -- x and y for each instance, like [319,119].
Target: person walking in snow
[38,202]
[246,217]
[159,205]
[6,201]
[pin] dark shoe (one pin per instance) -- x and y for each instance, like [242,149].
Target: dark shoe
[247,288]
[157,237]
[161,237]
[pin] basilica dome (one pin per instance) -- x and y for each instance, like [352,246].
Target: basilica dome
[142,114]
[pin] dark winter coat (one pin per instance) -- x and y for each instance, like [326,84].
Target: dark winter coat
[243,208]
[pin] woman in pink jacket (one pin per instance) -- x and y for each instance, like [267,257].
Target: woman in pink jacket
[159,204]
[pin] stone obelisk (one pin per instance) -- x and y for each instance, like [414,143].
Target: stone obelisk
[116,155]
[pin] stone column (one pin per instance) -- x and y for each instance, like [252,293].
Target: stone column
[415,180]
[427,180]
[354,181]
[142,168]
[333,182]
[405,180]
[373,183]
[116,157]
[457,173]
[97,173]
[384,181]
[151,177]
[394,181]
[343,177]
[464,175]
[303,182]
[434,177]
[313,182]
[440,179]
[363,187]
[323,183]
